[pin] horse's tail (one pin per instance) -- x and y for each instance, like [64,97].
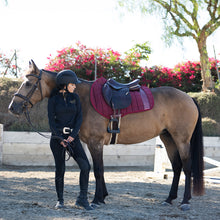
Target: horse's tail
[197,152]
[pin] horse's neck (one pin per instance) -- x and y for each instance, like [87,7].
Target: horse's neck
[83,90]
[50,82]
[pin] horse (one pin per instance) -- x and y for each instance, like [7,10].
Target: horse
[175,118]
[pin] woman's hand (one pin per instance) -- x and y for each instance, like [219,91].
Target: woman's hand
[64,143]
[70,139]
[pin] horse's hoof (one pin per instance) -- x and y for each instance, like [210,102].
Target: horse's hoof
[185,207]
[166,203]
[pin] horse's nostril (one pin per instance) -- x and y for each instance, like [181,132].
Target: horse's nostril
[15,108]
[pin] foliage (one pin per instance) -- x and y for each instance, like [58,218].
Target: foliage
[7,67]
[185,76]
[209,103]
[110,63]
[210,127]
[8,87]
[195,19]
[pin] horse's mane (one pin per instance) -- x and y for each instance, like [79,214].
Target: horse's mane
[86,81]
[50,72]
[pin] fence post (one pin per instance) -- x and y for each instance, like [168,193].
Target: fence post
[1,143]
[161,161]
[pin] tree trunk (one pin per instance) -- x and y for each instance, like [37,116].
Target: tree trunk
[204,60]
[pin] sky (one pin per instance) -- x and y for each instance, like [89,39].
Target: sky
[38,28]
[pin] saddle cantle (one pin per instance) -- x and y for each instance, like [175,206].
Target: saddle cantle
[117,95]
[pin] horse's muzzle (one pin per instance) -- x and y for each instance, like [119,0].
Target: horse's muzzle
[16,108]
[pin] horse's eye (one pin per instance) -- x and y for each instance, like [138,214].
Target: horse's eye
[28,84]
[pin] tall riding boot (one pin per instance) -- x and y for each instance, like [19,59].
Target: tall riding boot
[82,201]
[59,189]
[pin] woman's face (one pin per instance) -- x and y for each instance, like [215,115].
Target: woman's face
[71,87]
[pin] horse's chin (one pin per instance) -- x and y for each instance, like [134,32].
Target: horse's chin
[18,115]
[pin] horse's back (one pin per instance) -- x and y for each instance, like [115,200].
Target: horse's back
[173,110]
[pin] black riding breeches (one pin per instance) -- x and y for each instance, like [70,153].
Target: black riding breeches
[81,159]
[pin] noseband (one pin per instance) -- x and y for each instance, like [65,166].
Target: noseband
[31,92]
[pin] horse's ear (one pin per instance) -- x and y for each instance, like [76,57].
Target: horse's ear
[32,66]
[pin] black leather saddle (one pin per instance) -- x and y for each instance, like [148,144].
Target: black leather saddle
[117,95]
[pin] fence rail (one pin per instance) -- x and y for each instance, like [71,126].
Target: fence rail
[30,149]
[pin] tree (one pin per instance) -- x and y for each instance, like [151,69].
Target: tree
[8,65]
[184,18]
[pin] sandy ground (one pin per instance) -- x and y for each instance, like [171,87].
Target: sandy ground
[29,193]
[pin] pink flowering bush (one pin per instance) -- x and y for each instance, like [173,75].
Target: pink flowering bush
[109,63]
[185,76]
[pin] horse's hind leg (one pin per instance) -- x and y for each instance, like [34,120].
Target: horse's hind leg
[175,160]
[96,151]
[187,164]
[179,155]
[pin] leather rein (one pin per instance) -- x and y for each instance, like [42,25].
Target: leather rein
[27,100]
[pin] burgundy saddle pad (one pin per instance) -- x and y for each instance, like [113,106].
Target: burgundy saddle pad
[137,105]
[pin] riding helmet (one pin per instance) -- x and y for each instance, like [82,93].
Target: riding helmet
[65,77]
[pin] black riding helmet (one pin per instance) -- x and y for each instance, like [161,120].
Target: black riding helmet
[65,77]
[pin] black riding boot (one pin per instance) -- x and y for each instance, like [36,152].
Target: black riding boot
[82,201]
[59,189]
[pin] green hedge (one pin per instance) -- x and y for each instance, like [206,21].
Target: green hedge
[208,102]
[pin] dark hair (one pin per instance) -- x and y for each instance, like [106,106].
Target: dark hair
[61,86]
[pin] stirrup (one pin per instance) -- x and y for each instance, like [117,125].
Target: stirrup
[111,121]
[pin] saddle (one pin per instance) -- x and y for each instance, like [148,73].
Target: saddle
[117,95]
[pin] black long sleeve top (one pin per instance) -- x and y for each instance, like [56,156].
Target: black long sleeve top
[64,111]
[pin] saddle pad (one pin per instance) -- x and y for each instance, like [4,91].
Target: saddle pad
[137,105]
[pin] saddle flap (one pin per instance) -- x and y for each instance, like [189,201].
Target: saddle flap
[107,93]
[117,99]
[121,98]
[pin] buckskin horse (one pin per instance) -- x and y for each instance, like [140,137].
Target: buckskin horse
[175,117]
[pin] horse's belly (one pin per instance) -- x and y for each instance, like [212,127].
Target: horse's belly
[138,130]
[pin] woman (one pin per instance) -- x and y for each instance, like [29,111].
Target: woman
[65,119]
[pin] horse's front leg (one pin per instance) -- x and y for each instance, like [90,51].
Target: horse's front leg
[96,151]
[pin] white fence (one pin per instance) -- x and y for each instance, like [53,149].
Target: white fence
[30,149]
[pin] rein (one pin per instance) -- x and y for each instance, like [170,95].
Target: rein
[27,101]
[68,148]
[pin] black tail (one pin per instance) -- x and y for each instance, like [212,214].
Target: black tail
[197,153]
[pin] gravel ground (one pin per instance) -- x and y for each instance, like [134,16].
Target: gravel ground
[29,193]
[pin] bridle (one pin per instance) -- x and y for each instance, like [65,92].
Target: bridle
[27,98]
